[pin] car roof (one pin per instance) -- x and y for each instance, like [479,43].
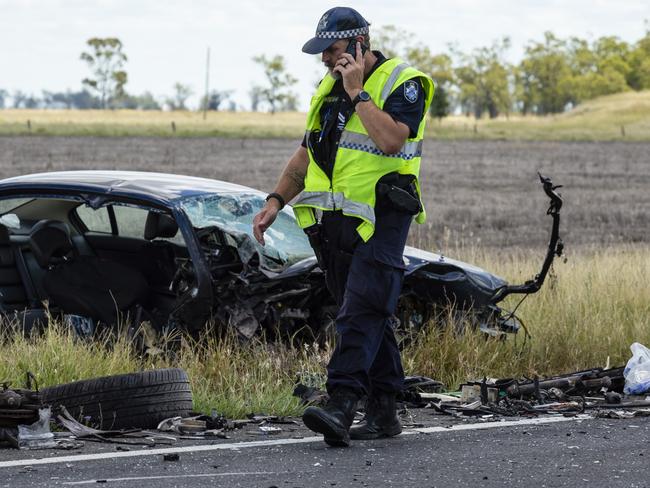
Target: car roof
[160,187]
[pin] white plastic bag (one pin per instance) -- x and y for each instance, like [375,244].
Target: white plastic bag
[37,435]
[637,370]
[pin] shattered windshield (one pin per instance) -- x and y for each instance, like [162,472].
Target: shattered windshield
[286,243]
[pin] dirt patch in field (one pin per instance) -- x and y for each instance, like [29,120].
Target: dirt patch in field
[477,193]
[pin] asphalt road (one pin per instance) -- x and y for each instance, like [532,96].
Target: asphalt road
[589,452]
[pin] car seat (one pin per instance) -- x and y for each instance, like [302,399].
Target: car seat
[18,301]
[84,285]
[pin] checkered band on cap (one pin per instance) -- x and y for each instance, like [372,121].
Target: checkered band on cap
[346,34]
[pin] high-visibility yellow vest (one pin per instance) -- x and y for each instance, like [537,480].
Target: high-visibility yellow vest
[359,163]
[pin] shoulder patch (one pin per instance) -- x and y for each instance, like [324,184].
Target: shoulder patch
[411,91]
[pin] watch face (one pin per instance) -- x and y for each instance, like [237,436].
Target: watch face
[364,96]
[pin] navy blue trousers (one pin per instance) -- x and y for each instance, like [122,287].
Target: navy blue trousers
[365,279]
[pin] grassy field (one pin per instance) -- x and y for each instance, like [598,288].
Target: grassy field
[484,206]
[593,307]
[624,116]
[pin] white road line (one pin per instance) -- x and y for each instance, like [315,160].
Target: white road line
[492,425]
[275,442]
[143,478]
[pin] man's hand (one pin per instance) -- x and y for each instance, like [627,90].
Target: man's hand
[352,71]
[292,181]
[264,219]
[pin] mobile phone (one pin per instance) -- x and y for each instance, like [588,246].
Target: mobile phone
[352,48]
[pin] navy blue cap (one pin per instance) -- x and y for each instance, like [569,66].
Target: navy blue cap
[337,23]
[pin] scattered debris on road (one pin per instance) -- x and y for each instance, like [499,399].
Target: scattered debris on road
[25,420]
[596,391]
[130,437]
[18,407]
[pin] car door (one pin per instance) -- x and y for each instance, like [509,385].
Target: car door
[116,232]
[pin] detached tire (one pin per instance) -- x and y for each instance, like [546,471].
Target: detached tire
[135,400]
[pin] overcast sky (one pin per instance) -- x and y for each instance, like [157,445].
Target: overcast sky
[166,40]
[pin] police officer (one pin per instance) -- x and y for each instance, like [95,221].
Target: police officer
[355,177]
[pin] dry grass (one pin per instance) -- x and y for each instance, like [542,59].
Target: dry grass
[228,376]
[115,123]
[588,314]
[623,116]
[591,310]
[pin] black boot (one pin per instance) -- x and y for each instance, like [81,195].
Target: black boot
[381,418]
[335,418]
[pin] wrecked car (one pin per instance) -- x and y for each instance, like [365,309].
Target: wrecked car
[92,247]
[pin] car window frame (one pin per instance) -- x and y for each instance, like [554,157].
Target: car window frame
[115,228]
[83,228]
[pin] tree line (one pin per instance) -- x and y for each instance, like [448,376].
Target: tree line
[554,74]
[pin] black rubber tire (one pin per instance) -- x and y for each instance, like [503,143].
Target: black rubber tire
[135,400]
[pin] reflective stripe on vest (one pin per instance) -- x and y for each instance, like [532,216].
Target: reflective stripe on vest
[337,201]
[363,142]
[359,162]
[391,81]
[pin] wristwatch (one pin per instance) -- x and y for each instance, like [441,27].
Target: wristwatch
[363,96]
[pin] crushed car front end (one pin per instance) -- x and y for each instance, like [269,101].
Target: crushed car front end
[189,242]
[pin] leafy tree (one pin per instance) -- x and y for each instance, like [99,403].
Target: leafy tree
[392,41]
[3,96]
[440,103]
[545,77]
[255,94]
[558,72]
[181,94]
[106,61]
[146,101]
[23,100]
[289,103]
[18,98]
[69,100]
[599,69]
[277,93]
[84,100]
[483,78]
[56,100]
[215,99]
[639,60]
[437,66]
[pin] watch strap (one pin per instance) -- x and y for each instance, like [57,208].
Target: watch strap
[278,197]
[358,99]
